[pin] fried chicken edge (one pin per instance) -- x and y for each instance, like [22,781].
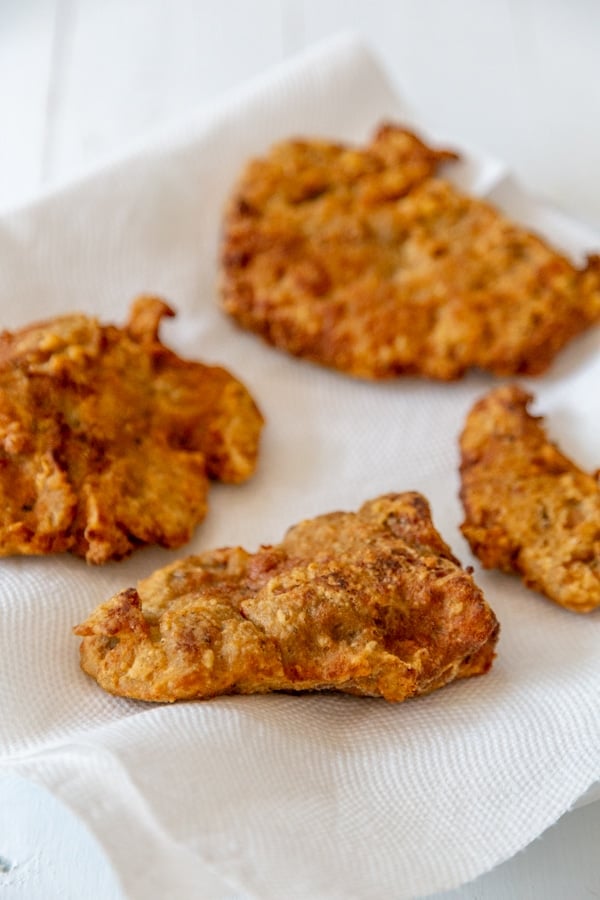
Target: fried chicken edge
[286,617]
[529,509]
[294,271]
[67,473]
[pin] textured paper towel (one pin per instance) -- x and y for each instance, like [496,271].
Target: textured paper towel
[309,796]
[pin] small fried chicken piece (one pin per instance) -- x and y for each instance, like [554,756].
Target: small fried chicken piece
[365,261]
[370,603]
[528,508]
[107,438]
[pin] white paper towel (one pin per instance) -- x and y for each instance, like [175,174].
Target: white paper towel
[290,796]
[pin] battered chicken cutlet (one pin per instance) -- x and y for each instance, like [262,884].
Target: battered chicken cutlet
[370,603]
[366,261]
[107,438]
[528,508]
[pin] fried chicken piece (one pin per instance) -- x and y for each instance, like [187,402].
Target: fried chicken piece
[370,603]
[528,508]
[107,438]
[365,261]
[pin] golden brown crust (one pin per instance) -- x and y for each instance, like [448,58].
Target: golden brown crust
[107,437]
[363,260]
[370,603]
[529,509]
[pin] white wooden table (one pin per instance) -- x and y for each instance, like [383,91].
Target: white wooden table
[80,80]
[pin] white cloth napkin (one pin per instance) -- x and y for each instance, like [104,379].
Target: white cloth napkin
[290,796]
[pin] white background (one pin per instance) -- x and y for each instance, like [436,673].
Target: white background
[83,80]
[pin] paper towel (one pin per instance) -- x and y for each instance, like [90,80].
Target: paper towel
[290,796]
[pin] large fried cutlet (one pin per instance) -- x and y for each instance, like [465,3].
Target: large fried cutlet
[366,261]
[528,508]
[107,438]
[370,603]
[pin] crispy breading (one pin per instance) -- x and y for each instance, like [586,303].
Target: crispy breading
[364,260]
[107,438]
[370,603]
[529,509]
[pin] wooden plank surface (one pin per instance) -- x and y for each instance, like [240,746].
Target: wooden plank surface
[27,34]
[80,79]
